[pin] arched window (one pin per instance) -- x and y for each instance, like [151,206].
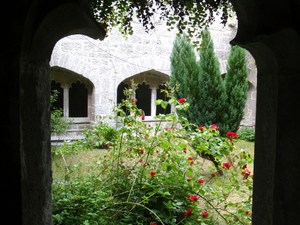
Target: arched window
[78,100]
[75,95]
[149,86]
[59,92]
[162,95]
[120,94]
[143,96]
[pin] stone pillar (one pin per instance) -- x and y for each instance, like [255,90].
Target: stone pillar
[36,178]
[66,100]
[153,100]
[277,151]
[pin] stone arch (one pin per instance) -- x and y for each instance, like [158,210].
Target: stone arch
[86,115]
[45,24]
[268,29]
[149,83]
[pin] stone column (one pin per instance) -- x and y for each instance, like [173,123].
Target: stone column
[277,151]
[153,101]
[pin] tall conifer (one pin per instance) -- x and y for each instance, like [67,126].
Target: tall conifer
[236,82]
[184,71]
[211,98]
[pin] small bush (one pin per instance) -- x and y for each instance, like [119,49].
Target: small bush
[246,133]
[100,136]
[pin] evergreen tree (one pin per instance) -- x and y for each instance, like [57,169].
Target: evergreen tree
[184,72]
[236,82]
[211,97]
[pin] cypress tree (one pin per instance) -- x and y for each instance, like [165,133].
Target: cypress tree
[184,71]
[211,97]
[236,83]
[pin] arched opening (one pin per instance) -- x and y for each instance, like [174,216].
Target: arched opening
[78,100]
[75,97]
[149,86]
[143,97]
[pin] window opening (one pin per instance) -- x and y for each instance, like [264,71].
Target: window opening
[59,103]
[143,96]
[78,100]
[162,95]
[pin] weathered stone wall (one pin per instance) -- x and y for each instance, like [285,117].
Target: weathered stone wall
[107,63]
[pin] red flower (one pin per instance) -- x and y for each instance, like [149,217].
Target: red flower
[153,223]
[143,116]
[214,127]
[194,198]
[181,100]
[152,173]
[213,174]
[244,166]
[204,213]
[246,173]
[201,127]
[188,212]
[201,181]
[190,158]
[184,150]
[232,135]
[248,212]
[226,165]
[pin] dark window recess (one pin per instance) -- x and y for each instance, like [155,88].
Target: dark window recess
[59,102]
[162,95]
[120,95]
[143,96]
[78,100]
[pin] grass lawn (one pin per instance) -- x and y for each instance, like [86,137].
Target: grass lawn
[77,164]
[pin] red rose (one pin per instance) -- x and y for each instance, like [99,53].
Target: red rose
[143,116]
[194,198]
[226,165]
[248,212]
[201,127]
[214,127]
[201,181]
[246,173]
[232,135]
[204,213]
[188,212]
[181,100]
[152,173]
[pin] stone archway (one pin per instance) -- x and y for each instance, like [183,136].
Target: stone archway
[268,29]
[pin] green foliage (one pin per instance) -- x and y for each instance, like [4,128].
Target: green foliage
[58,124]
[99,136]
[212,99]
[212,95]
[246,133]
[236,81]
[185,74]
[185,16]
[154,175]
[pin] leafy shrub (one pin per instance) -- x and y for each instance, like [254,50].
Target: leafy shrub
[154,175]
[100,136]
[246,133]
[58,125]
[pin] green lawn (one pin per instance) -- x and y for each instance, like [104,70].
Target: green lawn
[85,161]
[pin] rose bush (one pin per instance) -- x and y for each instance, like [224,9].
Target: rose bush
[157,175]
